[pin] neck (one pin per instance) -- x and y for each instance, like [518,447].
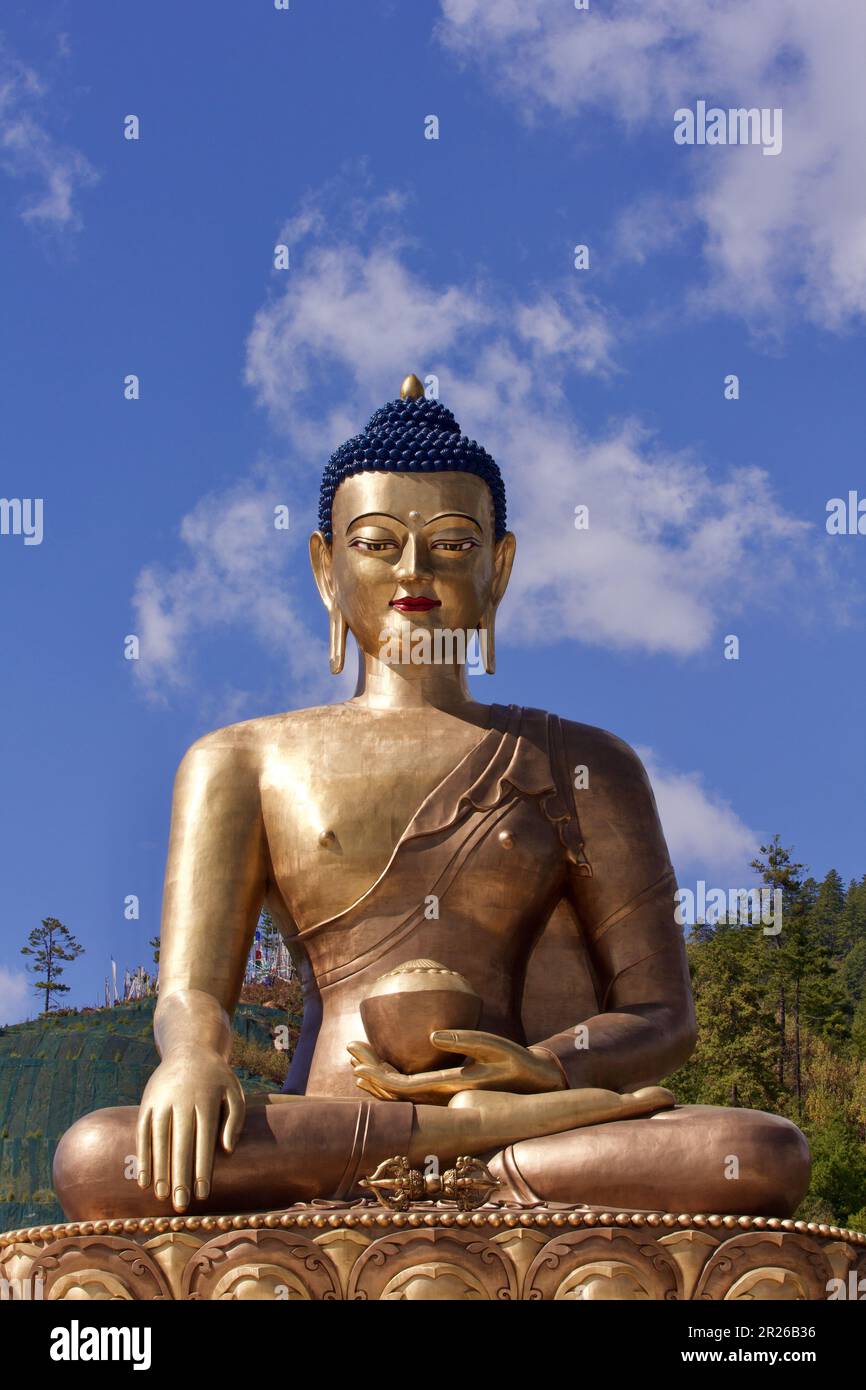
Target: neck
[385,686]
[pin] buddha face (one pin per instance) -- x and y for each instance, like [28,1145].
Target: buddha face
[412,548]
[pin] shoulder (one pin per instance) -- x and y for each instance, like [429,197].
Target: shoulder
[601,752]
[608,759]
[619,821]
[615,801]
[243,747]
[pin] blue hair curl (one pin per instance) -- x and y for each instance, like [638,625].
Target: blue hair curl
[411,436]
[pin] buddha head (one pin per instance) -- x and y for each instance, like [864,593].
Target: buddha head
[412,534]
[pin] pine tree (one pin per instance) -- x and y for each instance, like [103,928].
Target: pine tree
[826,1000]
[779,872]
[853,971]
[733,1062]
[828,913]
[50,944]
[854,911]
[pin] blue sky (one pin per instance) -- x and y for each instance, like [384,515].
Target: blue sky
[602,387]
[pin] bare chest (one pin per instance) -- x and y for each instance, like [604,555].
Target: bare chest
[335,810]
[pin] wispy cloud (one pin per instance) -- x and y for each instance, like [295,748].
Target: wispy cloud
[53,173]
[14,999]
[353,312]
[671,550]
[234,573]
[780,236]
[706,837]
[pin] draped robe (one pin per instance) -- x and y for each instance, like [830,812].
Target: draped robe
[479,880]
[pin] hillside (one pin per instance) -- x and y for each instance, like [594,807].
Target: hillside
[58,1067]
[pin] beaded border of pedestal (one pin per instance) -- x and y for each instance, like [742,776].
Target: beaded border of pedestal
[367,1214]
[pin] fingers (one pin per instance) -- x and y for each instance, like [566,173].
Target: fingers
[384,1081]
[362,1052]
[206,1123]
[182,1140]
[378,1080]
[366,1083]
[175,1146]
[481,1047]
[450,1079]
[144,1158]
[432,1087]
[160,1137]
[234,1099]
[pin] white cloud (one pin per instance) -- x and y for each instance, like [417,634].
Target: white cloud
[352,318]
[651,224]
[14,999]
[234,574]
[779,233]
[671,551]
[30,152]
[705,835]
[569,324]
[339,333]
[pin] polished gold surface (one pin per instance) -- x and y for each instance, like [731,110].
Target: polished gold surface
[414,823]
[412,388]
[408,1008]
[499,1251]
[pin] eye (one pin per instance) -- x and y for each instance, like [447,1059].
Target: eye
[468,544]
[372,547]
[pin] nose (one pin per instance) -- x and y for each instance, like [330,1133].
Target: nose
[414,564]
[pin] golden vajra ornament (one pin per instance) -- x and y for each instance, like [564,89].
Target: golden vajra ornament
[397,1185]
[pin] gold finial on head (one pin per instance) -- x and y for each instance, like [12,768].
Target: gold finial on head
[412,389]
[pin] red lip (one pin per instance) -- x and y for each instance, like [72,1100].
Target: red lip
[415,605]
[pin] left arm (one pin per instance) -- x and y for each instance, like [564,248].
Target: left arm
[646,1024]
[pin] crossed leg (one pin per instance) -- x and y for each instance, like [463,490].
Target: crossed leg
[694,1158]
[297,1148]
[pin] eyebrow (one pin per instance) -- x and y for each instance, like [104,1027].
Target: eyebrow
[464,515]
[440,517]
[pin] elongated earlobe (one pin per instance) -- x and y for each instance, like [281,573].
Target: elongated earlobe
[487,640]
[337,640]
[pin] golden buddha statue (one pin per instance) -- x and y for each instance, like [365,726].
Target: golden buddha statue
[413,824]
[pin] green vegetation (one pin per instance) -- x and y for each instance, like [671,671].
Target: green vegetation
[782,1025]
[65,1063]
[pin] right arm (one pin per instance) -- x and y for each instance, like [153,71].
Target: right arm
[216,878]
